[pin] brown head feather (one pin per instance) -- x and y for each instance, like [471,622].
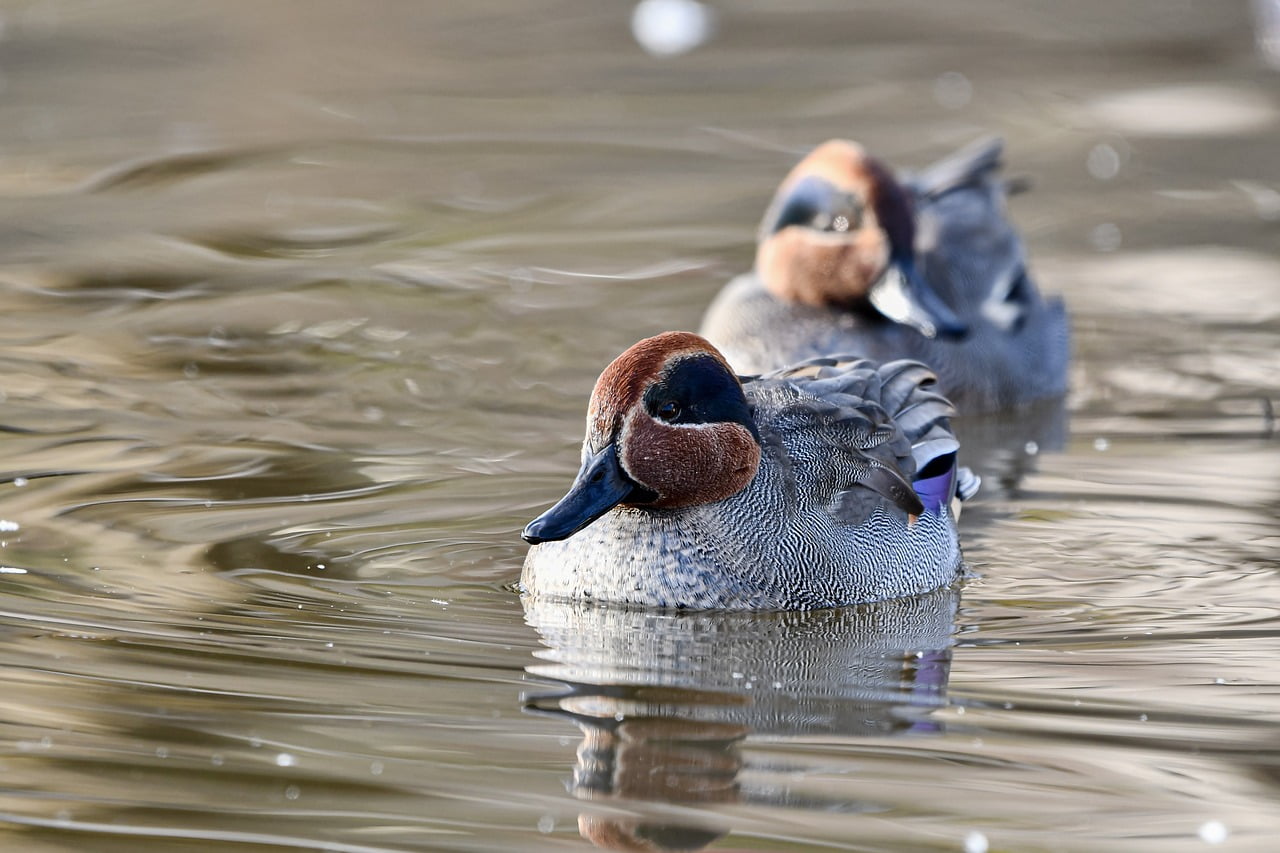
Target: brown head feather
[622,384]
[839,268]
[684,465]
[687,466]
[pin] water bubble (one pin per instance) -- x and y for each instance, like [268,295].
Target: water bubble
[19,481]
[1213,832]
[7,526]
[375,768]
[284,759]
[292,792]
[216,759]
[671,27]
[975,842]
[191,370]
[1103,162]
[162,752]
[952,90]
[1031,448]
[546,824]
[1101,444]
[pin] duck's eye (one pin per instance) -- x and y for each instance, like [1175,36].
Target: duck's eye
[668,410]
[848,217]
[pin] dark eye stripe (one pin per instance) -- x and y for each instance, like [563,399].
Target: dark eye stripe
[815,203]
[698,390]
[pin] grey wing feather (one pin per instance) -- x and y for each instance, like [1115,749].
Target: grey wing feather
[967,484]
[966,247]
[930,449]
[972,163]
[910,397]
[860,423]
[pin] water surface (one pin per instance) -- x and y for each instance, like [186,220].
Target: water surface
[303,302]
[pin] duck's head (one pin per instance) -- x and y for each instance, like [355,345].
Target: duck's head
[668,426]
[840,232]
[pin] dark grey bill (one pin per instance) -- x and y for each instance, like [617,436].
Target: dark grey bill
[601,485]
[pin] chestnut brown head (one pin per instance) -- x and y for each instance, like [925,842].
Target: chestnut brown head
[840,233]
[668,426]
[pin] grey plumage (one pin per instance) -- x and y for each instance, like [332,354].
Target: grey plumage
[818,526]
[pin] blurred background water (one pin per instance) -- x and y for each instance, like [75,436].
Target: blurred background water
[302,304]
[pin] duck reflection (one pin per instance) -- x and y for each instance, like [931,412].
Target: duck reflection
[1003,448]
[667,700]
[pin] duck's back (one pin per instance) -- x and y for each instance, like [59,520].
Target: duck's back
[1017,349]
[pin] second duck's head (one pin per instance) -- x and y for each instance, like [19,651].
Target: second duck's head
[668,426]
[840,233]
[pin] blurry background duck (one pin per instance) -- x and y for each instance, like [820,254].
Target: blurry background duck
[852,259]
[824,484]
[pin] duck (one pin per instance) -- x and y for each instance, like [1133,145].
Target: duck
[823,484]
[851,258]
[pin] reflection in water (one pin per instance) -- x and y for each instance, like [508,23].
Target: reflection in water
[1002,450]
[667,702]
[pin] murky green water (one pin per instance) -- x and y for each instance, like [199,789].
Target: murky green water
[302,303]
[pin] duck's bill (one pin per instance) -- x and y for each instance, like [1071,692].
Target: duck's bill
[903,296]
[601,485]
